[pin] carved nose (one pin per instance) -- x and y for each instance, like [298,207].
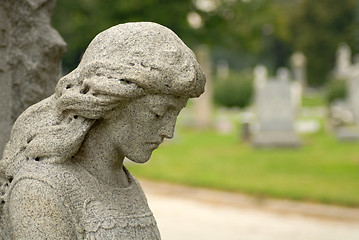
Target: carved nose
[168,128]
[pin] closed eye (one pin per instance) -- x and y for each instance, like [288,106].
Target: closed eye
[157,115]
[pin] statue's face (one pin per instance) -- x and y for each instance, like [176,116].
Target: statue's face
[141,126]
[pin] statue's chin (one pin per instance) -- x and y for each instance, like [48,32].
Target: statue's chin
[139,158]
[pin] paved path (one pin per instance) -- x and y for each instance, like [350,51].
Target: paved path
[194,214]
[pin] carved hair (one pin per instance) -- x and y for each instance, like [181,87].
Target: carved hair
[122,63]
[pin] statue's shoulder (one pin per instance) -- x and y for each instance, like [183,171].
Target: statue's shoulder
[36,205]
[56,176]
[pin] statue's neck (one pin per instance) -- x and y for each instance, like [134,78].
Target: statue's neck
[101,159]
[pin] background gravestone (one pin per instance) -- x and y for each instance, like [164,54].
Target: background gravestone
[203,104]
[350,132]
[343,61]
[275,114]
[30,52]
[345,113]
[260,77]
[353,97]
[298,62]
[283,75]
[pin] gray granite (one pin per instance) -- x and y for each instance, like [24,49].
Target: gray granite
[5,92]
[30,53]
[62,170]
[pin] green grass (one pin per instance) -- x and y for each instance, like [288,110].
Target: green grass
[323,170]
[314,100]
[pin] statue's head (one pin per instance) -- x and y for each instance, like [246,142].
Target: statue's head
[131,60]
[127,70]
[147,54]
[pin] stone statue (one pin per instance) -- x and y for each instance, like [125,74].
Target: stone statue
[62,170]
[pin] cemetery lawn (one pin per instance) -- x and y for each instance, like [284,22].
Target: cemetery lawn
[313,100]
[323,170]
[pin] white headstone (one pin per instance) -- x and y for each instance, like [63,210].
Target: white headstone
[353,97]
[296,94]
[343,60]
[347,119]
[298,62]
[275,114]
[260,76]
[283,74]
[204,102]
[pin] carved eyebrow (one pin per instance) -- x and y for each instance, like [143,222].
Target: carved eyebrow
[160,108]
[171,105]
[174,106]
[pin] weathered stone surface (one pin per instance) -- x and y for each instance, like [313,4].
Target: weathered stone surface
[5,92]
[63,167]
[30,52]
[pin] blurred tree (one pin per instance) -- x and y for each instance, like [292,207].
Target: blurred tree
[244,28]
[245,32]
[252,31]
[317,28]
[234,91]
[336,89]
[79,21]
